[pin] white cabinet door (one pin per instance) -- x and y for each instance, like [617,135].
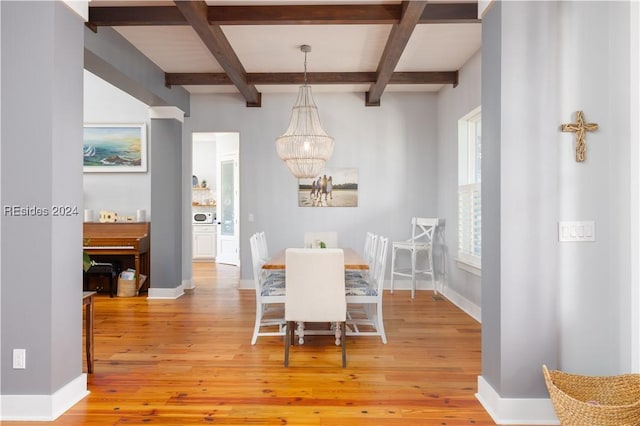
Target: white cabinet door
[204,242]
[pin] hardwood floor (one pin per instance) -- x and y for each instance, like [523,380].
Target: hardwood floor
[190,361]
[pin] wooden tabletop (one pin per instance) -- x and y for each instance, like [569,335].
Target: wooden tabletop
[352,260]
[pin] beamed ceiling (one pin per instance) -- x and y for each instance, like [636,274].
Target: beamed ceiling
[370,47]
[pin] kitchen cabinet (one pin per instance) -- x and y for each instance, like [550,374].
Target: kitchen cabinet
[204,242]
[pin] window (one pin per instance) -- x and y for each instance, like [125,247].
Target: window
[469,196]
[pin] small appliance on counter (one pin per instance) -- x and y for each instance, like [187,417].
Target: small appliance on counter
[204,217]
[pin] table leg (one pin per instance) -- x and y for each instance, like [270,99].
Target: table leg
[137,267]
[89,333]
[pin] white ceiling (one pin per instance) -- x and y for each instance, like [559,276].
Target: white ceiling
[275,48]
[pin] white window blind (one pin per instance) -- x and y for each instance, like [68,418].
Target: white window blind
[469,196]
[469,224]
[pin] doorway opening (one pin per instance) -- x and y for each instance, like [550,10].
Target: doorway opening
[215,197]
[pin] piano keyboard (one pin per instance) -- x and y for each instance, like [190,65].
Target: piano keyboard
[108,247]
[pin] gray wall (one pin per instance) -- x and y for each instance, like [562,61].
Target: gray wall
[597,275]
[563,304]
[453,104]
[166,196]
[41,278]
[374,140]
[491,145]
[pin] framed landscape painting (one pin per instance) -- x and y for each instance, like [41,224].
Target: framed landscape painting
[115,148]
[331,188]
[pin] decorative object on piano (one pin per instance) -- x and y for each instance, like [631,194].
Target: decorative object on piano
[108,216]
[330,188]
[88,215]
[115,148]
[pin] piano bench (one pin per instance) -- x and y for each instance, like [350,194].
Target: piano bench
[110,270]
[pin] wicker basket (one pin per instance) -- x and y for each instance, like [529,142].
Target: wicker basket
[594,400]
[127,288]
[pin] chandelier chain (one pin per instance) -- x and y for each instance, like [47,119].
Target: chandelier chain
[305,68]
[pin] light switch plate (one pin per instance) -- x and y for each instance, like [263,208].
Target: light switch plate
[19,359]
[577,231]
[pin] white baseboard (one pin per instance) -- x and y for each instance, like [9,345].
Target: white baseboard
[515,411]
[43,407]
[188,285]
[247,284]
[471,309]
[166,293]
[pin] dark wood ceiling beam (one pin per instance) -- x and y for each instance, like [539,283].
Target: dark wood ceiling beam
[450,13]
[397,41]
[425,77]
[282,15]
[122,16]
[304,14]
[195,12]
[218,79]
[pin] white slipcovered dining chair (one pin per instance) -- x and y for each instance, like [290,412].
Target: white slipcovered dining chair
[270,289]
[364,296]
[421,241]
[315,293]
[329,238]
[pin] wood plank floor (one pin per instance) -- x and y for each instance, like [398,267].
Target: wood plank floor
[190,361]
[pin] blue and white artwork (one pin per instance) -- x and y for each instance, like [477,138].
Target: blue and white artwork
[115,148]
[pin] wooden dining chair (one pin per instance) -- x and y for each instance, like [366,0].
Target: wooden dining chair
[315,292]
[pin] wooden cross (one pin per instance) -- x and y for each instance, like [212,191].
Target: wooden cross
[579,129]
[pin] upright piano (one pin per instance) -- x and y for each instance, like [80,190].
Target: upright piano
[121,238]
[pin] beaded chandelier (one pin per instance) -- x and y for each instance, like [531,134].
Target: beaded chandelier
[305,147]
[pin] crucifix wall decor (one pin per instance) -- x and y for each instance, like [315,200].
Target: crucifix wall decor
[579,128]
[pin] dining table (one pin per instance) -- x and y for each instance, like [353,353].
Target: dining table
[352,260]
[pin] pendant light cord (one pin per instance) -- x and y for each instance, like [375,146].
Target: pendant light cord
[305,68]
[305,48]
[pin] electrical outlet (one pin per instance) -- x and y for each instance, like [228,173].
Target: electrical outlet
[19,358]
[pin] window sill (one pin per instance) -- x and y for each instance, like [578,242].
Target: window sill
[469,267]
